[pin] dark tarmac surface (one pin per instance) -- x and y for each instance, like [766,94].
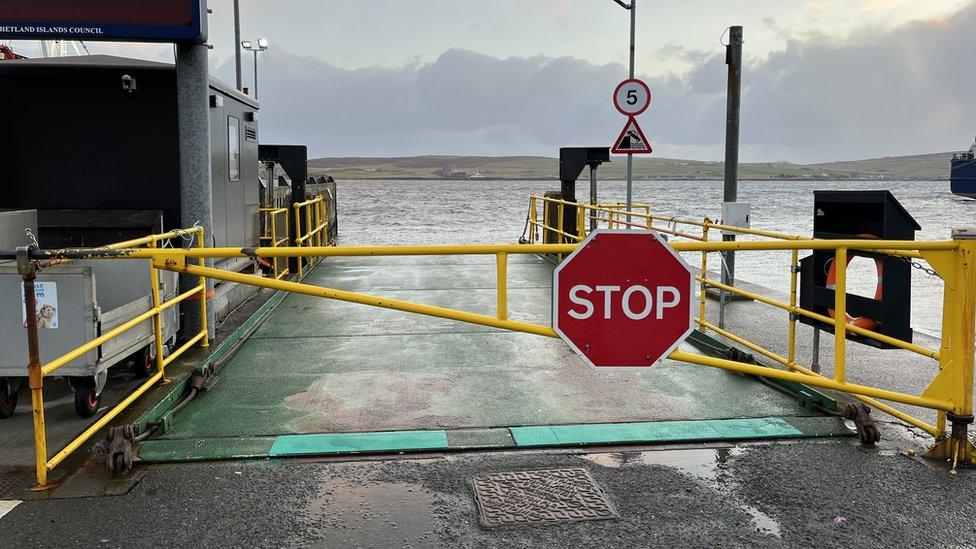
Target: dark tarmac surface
[825,493]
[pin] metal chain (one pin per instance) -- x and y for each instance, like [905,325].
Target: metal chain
[915,264]
[32,242]
[31,237]
[921,267]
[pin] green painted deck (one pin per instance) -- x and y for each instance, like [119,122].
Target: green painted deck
[321,366]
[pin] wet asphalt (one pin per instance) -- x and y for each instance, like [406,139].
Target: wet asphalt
[810,493]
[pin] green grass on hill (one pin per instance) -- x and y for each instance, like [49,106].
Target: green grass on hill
[918,167]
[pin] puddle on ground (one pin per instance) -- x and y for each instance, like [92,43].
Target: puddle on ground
[372,515]
[706,465]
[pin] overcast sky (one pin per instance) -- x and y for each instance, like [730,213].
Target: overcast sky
[824,79]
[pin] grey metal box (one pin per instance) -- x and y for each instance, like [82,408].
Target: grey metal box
[13,226]
[82,313]
[736,214]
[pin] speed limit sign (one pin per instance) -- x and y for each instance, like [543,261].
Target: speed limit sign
[632,97]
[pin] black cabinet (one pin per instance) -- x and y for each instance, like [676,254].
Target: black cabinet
[861,215]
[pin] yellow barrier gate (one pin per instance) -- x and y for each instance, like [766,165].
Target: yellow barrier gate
[948,260]
[950,393]
[37,372]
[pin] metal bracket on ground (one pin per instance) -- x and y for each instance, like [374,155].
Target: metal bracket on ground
[955,450]
[867,431]
[120,449]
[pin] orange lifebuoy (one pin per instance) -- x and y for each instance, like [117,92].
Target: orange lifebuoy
[860,321]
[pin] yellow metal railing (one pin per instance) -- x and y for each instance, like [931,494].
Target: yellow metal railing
[612,216]
[37,371]
[942,256]
[316,216]
[271,238]
[617,217]
[954,260]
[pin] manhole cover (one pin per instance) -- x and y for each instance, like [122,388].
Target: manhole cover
[550,495]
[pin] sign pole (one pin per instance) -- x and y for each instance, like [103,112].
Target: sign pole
[630,156]
[255,75]
[734,60]
[593,199]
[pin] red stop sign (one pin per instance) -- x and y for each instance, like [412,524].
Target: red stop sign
[623,299]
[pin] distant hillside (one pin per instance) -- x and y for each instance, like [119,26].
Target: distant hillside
[437,167]
[927,167]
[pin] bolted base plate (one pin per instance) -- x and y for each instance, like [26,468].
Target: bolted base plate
[955,452]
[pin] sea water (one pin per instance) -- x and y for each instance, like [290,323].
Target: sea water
[442,212]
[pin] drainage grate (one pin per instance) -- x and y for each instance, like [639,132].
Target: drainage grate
[532,497]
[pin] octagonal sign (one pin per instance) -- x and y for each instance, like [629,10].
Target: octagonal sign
[623,299]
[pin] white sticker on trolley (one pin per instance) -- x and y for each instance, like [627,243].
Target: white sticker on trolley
[46,314]
[7,506]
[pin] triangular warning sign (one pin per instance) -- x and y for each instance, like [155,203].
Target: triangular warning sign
[632,140]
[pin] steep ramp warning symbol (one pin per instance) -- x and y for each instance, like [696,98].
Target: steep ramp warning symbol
[632,140]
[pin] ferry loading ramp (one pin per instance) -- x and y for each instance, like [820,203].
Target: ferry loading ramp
[328,377]
[722,493]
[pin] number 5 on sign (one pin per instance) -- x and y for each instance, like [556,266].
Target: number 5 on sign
[632,97]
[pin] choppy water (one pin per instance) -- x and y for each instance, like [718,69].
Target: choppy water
[437,212]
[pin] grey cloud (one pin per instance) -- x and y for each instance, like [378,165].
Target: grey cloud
[463,102]
[877,93]
[677,51]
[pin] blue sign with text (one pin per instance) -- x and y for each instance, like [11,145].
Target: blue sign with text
[109,20]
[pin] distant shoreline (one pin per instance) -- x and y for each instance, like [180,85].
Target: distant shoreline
[923,167]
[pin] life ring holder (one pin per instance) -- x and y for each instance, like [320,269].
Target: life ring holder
[860,321]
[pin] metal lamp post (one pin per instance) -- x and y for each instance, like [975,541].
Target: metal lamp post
[260,45]
[632,8]
[237,40]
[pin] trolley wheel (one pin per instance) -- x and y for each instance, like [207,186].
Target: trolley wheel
[86,398]
[8,398]
[144,364]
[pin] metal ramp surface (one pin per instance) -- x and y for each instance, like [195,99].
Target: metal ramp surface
[323,376]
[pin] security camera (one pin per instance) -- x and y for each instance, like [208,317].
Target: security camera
[128,83]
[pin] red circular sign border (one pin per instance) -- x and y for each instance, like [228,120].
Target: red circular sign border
[640,83]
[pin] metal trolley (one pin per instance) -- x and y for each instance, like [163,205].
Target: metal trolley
[76,303]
